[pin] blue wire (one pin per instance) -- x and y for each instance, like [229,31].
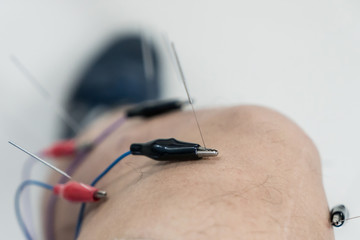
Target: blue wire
[19,190]
[96,180]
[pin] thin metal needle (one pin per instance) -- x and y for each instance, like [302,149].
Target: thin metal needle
[41,160]
[148,63]
[350,218]
[186,89]
[59,109]
[147,57]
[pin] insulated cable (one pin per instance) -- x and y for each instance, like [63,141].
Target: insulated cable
[170,150]
[93,183]
[19,190]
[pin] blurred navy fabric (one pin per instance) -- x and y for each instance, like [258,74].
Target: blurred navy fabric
[117,76]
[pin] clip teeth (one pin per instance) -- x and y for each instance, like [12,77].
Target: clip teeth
[206,152]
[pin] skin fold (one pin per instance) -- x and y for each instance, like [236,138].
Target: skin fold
[266,182]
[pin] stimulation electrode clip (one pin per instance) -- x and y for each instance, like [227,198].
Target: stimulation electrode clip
[171,150]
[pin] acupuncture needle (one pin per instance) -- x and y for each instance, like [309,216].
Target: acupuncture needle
[147,57]
[58,108]
[41,160]
[186,88]
[351,218]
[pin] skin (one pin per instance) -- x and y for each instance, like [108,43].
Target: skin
[265,184]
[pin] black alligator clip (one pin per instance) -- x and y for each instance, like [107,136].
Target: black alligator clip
[171,150]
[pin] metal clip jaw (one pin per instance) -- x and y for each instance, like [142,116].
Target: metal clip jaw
[206,152]
[171,150]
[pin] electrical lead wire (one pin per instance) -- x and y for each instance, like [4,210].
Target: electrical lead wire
[26,199]
[79,159]
[93,183]
[19,190]
[60,111]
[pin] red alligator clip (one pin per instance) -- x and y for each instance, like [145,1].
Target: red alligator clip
[78,192]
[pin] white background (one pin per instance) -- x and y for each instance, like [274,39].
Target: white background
[299,57]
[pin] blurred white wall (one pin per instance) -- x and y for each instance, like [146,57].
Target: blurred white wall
[299,57]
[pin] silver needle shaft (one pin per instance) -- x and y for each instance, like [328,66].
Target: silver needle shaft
[186,89]
[47,96]
[350,218]
[41,160]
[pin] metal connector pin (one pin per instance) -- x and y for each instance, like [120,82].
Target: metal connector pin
[206,152]
[100,194]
